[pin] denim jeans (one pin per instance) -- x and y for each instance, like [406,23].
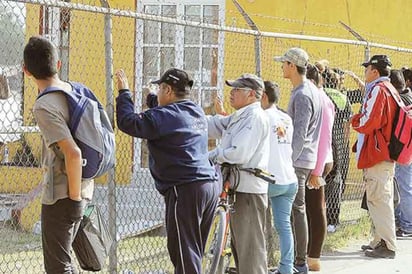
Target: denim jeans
[282,197]
[403,212]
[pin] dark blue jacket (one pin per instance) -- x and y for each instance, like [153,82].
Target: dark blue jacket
[177,140]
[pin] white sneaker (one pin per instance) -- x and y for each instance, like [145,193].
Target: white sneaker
[331,228]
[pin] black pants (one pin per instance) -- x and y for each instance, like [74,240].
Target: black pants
[333,194]
[189,213]
[59,225]
[316,214]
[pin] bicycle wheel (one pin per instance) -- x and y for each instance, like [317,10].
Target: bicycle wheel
[224,261]
[214,243]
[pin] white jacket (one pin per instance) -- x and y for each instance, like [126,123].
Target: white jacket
[244,141]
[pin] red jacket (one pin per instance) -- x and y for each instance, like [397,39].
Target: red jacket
[375,122]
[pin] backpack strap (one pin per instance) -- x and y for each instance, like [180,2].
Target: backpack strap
[51,89]
[394,93]
[76,99]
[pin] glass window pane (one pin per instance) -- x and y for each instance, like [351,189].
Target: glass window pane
[150,64]
[209,67]
[167,58]
[195,95]
[192,34]
[151,9]
[191,60]
[210,15]
[169,11]
[168,30]
[207,98]
[151,27]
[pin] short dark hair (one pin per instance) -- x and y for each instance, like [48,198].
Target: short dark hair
[383,71]
[179,92]
[407,74]
[301,70]
[397,79]
[40,57]
[272,91]
[313,74]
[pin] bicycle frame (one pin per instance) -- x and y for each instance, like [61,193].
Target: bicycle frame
[228,205]
[217,250]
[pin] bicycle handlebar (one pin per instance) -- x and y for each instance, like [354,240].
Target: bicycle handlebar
[261,174]
[234,169]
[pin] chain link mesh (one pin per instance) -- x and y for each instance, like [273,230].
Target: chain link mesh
[145,42]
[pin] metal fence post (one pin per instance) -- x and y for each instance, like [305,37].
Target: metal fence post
[258,42]
[108,45]
[360,38]
[367,52]
[140,245]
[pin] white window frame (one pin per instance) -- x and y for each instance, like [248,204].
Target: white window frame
[179,53]
[179,56]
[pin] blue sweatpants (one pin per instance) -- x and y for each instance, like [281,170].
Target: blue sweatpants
[189,214]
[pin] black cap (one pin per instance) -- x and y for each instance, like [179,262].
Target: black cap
[247,80]
[176,78]
[381,61]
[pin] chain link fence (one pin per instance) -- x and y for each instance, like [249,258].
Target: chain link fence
[94,40]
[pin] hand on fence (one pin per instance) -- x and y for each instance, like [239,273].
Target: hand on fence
[218,104]
[122,82]
[360,83]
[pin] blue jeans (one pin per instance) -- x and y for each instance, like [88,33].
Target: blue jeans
[403,212]
[282,197]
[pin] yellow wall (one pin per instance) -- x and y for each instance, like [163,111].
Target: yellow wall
[313,17]
[379,21]
[91,63]
[86,65]
[367,17]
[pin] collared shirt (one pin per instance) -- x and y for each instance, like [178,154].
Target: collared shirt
[244,141]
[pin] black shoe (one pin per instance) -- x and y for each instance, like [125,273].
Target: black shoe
[274,271]
[380,251]
[366,247]
[232,270]
[403,234]
[300,269]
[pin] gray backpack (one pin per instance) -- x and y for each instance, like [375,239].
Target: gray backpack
[90,128]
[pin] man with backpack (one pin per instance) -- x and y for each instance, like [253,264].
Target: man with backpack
[403,173]
[176,131]
[65,194]
[374,126]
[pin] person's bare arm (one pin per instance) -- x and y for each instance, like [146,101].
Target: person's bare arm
[73,164]
[358,81]
[218,104]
